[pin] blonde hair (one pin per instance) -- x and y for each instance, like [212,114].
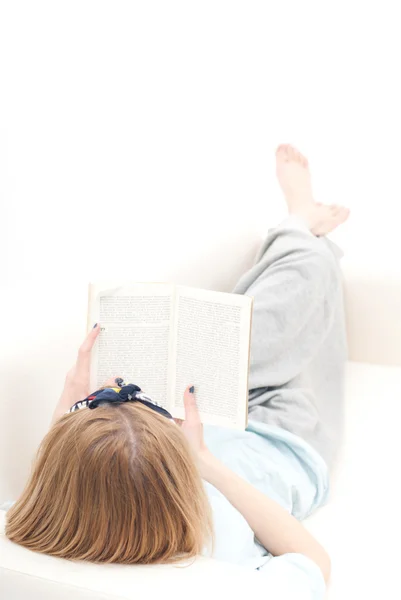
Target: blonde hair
[114,484]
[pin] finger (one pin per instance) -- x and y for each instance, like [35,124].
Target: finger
[191,410]
[112,382]
[84,353]
[90,339]
[178,422]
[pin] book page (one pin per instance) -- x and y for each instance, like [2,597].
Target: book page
[211,350]
[135,337]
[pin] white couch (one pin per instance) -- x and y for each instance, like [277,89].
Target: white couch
[357,526]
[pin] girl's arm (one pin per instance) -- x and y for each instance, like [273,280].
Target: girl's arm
[277,530]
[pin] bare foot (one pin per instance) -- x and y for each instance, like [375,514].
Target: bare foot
[295,181]
[328,217]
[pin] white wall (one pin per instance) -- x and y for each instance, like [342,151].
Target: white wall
[134,136]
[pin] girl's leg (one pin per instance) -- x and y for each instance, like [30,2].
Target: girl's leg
[298,347]
[296,287]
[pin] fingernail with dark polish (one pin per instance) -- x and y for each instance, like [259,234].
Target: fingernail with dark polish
[192,389]
[95,325]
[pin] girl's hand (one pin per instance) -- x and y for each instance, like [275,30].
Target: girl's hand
[192,428]
[112,382]
[77,381]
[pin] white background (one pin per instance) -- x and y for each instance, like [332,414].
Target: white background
[160,119]
[137,136]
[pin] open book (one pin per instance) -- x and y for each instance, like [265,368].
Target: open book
[164,337]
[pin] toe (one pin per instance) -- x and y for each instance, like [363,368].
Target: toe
[302,159]
[292,153]
[297,156]
[282,153]
[281,149]
[339,214]
[343,214]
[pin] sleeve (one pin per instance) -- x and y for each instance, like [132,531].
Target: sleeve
[293,576]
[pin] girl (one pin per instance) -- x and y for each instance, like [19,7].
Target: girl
[119,481]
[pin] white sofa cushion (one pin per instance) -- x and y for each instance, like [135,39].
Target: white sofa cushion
[361,525]
[373,313]
[25,575]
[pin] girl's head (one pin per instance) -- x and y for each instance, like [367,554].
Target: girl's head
[113,484]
